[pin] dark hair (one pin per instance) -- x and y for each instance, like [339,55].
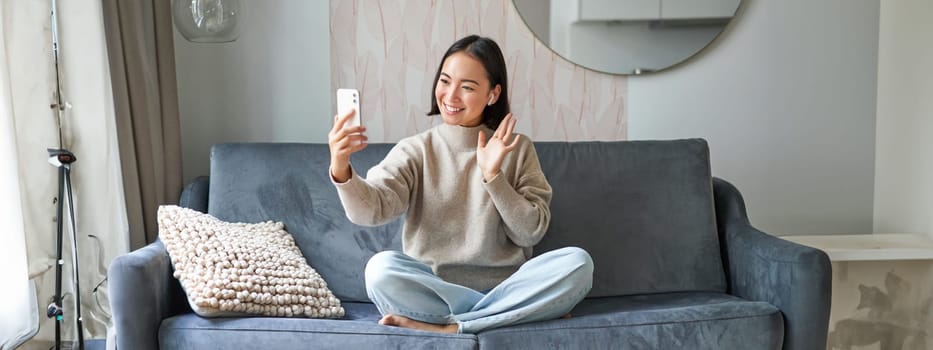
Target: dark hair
[488,53]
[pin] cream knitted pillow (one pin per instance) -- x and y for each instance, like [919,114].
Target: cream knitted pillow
[235,269]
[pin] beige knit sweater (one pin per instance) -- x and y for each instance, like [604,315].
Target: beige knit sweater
[471,232]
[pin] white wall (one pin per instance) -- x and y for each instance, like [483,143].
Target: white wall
[272,84]
[786,99]
[904,166]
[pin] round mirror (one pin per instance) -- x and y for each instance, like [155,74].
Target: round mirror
[627,36]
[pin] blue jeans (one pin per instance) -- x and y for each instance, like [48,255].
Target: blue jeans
[544,288]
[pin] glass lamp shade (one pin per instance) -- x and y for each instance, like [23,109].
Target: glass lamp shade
[207,21]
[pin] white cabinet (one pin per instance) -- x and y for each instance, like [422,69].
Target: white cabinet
[652,10]
[698,9]
[619,10]
[870,247]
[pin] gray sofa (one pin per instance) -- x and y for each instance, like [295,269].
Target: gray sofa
[677,263]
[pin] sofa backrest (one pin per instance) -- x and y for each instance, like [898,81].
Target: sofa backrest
[642,209]
[289,182]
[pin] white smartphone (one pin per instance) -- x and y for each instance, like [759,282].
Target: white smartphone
[347,99]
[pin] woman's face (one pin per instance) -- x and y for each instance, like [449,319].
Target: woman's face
[463,90]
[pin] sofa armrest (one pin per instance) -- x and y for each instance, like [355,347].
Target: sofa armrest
[143,292]
[796,279]
[194,195]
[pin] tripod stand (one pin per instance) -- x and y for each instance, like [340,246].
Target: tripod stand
[62,159]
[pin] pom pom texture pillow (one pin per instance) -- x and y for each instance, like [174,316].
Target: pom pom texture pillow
[237,269]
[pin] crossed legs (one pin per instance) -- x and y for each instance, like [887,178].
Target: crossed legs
[409,295]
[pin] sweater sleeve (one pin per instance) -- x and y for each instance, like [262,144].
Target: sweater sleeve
[384,194]
[524,205]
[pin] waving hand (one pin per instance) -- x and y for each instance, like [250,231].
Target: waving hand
[489,154]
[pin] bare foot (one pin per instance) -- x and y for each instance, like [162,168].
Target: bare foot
[405,322]
[566,317]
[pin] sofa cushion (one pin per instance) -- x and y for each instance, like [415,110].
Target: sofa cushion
[232,269]
[642,209]
[289,182]
[658,321]
[358,330]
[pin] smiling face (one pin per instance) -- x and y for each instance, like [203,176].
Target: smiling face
[463,90]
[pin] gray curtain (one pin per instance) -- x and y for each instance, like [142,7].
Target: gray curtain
[142,67]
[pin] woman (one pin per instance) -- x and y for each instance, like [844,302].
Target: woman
[475,208]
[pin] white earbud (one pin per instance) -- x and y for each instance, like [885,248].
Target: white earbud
[491,97]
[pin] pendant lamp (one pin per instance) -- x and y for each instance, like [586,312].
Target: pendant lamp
[207,21]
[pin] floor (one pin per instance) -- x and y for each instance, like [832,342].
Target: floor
[90,344]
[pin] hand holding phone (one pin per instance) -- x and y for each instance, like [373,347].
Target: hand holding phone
[343,142]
